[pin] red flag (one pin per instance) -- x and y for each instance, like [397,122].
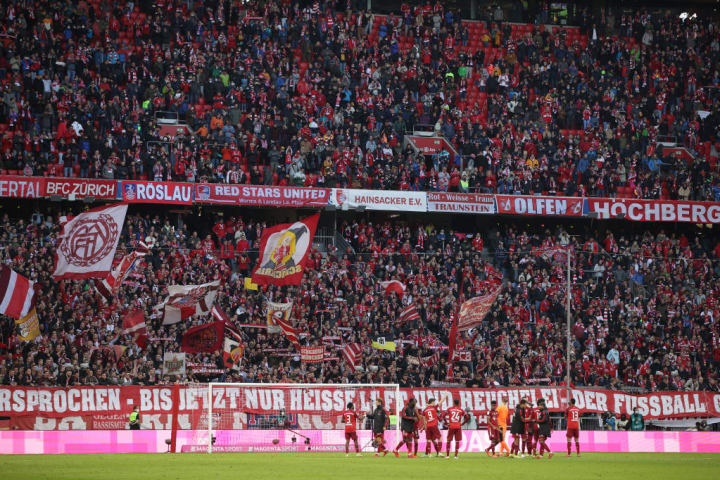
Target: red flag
[17,293]
[204,338]
[350,354]
[409,314]
[393,286]
[284,251]
[134,323]
[474,310]
[219,314]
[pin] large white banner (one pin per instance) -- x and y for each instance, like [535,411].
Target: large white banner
[86,246]
[389,200]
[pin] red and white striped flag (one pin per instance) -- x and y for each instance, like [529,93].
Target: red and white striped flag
[351,353]
[220,315]
[409,314]
[17,293]
[109,286]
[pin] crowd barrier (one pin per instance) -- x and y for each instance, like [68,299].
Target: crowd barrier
[154,441]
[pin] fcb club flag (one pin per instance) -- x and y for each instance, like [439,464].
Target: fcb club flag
[233,348]
[351,353]
[410,314]
[109,286]
[312,354]
[473,311]
[204,338]
[17,293]
[393,286]
[86,246]
[284,250]
[184,301]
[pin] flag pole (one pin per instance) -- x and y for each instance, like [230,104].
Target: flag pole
[567,332]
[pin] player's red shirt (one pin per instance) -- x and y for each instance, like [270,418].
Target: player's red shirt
[350,418]
[431,416]
[492,418]
[455,417]
[573,417]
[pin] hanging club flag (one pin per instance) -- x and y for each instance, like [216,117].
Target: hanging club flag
[409,314]
[473,311]
[184,301]
[109,286]
[277,312]
[233,348]
[28,326]
[351,353]
[284,251]
[17,293]
[393,286]
[86,246]
[134,324]
[204,338]
[556,254]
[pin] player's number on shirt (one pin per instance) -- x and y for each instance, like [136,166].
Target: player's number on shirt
[430,415]
[455,416]
[574,415]
[348,419]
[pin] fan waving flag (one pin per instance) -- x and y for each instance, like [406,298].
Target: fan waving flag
[219,314]
[233,348]
[134,323]
[351,353]
[278,319]
[185,301]
[17,293]
[87,244]
[109,286]
[473,311]
[284,250]
[393,286]
[409,314]
[204,338]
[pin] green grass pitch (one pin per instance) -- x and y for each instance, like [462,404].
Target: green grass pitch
[335,466]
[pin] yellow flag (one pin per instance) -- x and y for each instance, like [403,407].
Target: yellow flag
[249,285]
[381,344]
[29,326]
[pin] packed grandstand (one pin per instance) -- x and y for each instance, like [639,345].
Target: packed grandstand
[624,105]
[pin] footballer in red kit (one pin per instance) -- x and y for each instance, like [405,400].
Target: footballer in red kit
[455,417]
[432,432]
[493,428]
[573,427]
[350,418]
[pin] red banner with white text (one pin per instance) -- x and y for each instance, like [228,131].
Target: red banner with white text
[262,196]
[536,205]
[107,407]
[22,187]
[654,210]
[157,192]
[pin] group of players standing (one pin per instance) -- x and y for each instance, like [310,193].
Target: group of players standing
[530,428]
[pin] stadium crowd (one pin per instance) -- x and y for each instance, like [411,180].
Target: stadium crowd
[644,306]
[323,93]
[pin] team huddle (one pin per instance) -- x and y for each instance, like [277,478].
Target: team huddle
[530,428]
